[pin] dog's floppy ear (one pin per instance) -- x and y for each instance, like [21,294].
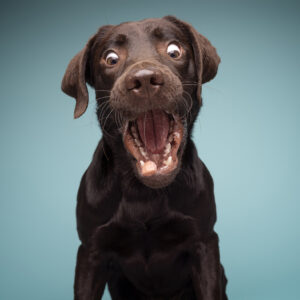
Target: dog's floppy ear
[205,54]
[74,81]
[79,72]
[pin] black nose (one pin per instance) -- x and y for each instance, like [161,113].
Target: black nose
[144,82]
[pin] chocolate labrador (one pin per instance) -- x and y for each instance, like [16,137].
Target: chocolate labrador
[146,208]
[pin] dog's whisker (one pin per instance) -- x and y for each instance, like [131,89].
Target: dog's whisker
[103,91]
[103,127]
[188,103]
[103,102]
[121,121]
[189,108]
[103,108]
[103,118]
[104,97]
[187,84]
[117,119]
[108,111]
[104,151]
[194,82]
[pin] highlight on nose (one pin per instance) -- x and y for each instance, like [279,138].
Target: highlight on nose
[144,81]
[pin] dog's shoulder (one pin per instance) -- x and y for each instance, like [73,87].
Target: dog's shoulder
[99,193]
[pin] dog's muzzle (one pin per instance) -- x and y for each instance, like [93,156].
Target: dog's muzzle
[153,131]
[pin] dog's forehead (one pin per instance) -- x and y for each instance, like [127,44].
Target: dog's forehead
[146,30]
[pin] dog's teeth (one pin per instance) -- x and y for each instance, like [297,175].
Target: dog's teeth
[176,135]
[167,149]
[133,131]
[142,163]
[143,152]
[168,161]
[149,168]
[137,142]
[135,135]
[170,138]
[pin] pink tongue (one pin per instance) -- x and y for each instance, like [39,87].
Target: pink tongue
[153,128]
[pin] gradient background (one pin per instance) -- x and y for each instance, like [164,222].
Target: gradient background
[247,134]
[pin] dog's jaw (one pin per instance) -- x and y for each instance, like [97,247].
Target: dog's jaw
[157,166]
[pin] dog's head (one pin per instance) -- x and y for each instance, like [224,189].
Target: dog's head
[148,77]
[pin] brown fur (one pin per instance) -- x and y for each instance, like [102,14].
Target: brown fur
[147,240]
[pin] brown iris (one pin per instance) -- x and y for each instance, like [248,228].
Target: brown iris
[174,50]
[112,58]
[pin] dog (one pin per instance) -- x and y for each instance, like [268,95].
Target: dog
[145,206]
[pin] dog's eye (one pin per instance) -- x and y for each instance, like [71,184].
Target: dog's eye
[174,50]
[112,58]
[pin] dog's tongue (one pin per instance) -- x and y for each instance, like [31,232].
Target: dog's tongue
[153,128]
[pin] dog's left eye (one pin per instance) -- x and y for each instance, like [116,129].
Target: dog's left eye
[112,58]
[174,50]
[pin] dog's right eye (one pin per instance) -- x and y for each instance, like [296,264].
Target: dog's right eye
[112,58]
[174,50]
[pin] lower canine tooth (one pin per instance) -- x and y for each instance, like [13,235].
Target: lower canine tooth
[176,134]
[168,161]
[133,131]
[143,152]
[137,142]
[168,148]
[148,168]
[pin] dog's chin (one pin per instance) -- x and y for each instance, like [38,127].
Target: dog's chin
[155,141]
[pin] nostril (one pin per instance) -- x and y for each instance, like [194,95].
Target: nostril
[144,80]
[157,79]
[137,84]
[132,83]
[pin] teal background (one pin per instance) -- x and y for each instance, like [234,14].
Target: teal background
[247,134]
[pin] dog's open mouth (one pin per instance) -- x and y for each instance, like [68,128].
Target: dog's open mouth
[153,139]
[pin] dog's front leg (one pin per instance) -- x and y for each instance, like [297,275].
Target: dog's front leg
[90,280]
[208,275]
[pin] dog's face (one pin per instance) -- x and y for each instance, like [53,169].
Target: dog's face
[147,76]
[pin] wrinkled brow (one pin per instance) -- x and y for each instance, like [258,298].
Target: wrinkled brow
[120,39]
[157,32]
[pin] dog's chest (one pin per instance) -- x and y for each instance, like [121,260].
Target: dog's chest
[150,251]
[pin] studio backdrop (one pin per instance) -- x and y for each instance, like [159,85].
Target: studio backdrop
[247,134]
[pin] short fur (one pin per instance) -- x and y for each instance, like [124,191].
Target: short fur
[147,242]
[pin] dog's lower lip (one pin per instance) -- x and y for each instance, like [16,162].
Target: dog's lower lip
[154,164]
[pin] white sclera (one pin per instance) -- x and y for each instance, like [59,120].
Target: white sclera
[173,48]
[112,55]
